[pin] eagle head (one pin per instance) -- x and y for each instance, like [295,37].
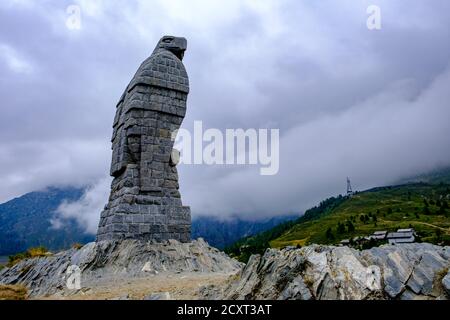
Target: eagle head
[176,45]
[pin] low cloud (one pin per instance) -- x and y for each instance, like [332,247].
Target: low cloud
[393,134]
[86,211]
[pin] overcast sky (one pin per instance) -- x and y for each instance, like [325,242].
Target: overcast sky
[349,101]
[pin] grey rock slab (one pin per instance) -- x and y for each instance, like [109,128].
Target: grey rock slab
[446,283]
[327,272]
[158,296]
[296,290]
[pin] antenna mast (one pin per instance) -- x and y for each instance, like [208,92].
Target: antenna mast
[349,187]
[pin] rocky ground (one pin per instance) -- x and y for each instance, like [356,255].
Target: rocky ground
[164,286]
[408,271]
[172,270]
[128,269]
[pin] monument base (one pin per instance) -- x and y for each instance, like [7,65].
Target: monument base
[145,222]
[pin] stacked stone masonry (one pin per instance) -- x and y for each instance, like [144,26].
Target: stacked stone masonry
[145,202]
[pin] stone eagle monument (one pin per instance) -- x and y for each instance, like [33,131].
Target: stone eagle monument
[145,202]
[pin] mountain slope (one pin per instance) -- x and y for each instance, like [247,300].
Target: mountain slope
[258,243]
[421,206]
[425,207]
[223,233]
[25,222]
[437,176]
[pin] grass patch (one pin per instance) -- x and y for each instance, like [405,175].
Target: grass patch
[77,246]
[30,253]
[441,274]
[13,292]
[437,281]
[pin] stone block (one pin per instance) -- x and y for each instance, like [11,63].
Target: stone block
[134,229]
[119,228]
[138,218]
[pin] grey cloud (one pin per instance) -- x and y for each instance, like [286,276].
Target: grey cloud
[374,142]
[347,101]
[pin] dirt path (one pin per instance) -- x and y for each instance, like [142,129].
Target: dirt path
[179,286]
[433,226]
[424,223]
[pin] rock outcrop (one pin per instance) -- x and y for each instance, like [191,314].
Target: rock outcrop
[107,261]
[409,271]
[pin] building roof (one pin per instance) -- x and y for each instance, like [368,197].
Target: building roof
[402,240]
[398,235]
